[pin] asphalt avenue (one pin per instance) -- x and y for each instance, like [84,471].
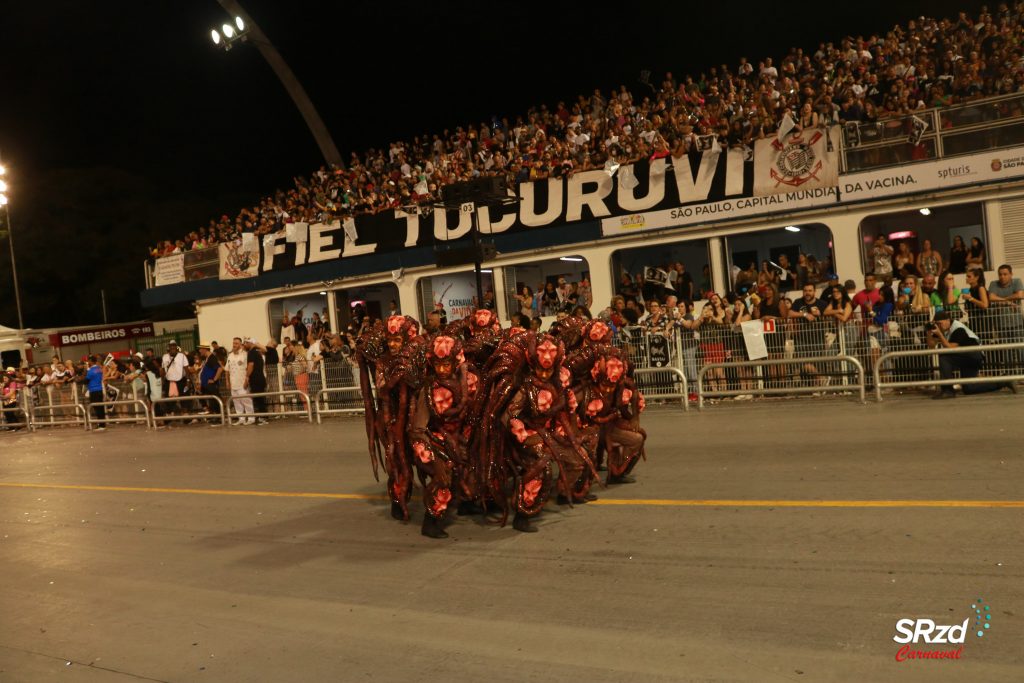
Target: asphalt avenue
[774,541]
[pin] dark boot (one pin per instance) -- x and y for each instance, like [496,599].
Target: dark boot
[562,500]
[621,479]
[432,527]
[397,512]
[522,523]
[585,499]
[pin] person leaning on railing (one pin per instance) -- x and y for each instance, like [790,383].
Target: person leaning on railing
[947,333]
[976,302]
[1005,297]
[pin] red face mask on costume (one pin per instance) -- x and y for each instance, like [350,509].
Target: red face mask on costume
[546,354]
[482,318]
[395,324]
[614,369]
[599,332]
[443,346]
[443,399]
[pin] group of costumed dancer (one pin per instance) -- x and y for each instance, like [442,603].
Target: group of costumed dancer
[495,420]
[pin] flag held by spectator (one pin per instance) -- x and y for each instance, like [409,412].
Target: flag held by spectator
[799,161]
[656,276]
[786,125]
[626,177]
[349,225]
[920,126]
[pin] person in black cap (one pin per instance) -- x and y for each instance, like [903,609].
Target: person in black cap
[951,334]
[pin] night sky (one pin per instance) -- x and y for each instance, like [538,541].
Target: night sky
[121,124]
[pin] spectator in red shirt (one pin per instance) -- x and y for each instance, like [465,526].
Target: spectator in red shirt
[867,299]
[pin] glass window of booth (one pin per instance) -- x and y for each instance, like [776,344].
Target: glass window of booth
[286,312]
[453,295]
[359,306]
[925,241]
[547,287]
[680,269]
[787,258]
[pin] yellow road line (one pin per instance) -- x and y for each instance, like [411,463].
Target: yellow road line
[206,492]
[653,502]
[815,503]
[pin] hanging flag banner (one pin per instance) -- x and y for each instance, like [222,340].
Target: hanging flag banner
[806,160]
[169,270]
[238,262]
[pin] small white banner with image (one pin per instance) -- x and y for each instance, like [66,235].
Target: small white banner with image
[169,270]
[805,160]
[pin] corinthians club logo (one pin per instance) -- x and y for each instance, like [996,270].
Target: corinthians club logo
[238,262]
[796,163]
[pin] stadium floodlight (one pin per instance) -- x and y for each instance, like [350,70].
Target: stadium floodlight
[792,228]
[2,170]
[240,24]
[3,186]
[228,31]
[926,211]
[215,36]
[3,200]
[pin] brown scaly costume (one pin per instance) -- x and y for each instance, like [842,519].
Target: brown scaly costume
[609,399]
[439,432]
[379,354]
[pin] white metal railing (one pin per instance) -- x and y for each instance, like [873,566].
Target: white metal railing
[660,393]
[882,382]
[196,398]
[303,396]
[762,388]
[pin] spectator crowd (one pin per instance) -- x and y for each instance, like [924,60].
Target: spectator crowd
[925,63]
[893,310]
[308,357]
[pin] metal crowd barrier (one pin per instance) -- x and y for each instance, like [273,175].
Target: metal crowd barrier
[322,401]
[188,416]
[23,407]
[118,420]
[656,391]
[883,383]
[75,408]
[760,387]
[308,411]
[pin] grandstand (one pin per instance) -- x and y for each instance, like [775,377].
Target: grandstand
[914,116]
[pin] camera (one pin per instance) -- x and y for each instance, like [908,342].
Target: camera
[931,326]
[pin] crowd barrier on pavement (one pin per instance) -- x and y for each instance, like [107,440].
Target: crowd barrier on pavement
[324,406]
[38,421]
[307,410]
[663,384]
[111,418]
[181,417]
[759,383]
[882,377]
[19,415]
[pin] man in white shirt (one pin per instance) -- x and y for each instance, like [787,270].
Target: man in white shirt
[238,380]
[173,366]
[287,328]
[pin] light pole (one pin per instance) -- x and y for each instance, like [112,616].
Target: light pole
[245,28]
[10,241]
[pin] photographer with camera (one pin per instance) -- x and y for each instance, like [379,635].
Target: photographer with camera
[952,334]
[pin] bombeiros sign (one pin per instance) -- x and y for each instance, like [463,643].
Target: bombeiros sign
[100,334]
